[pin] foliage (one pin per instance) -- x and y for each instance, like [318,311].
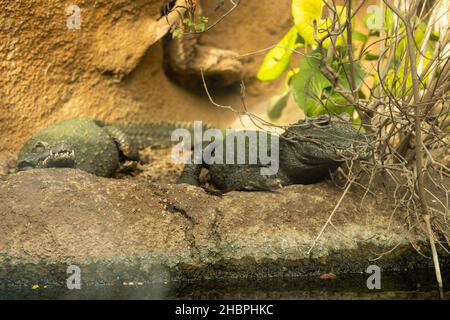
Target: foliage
[403,106]
[312,91]
[315,93]
[305,12]
[278,58]
[190,26]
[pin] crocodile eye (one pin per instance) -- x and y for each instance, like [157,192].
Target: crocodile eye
[39,147]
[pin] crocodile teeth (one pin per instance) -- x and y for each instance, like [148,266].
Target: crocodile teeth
[63,154]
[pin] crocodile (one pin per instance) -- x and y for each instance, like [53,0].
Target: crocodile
[92,145]
[308,152]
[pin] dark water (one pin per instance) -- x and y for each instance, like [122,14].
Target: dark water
[393,286]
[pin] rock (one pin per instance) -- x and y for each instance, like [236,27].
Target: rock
[7,163]
[120,230]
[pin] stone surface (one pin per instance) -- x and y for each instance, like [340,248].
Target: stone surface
[117,229]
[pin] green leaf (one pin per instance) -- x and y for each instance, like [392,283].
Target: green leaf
[289,76]
[188,22]
[277,105]
[434,36]
[278,58]
[357,125]
[308,85]
[305,12]
[356,35]
[371,56]
[178,32]
[344,75]
[314,93]
[337,104]
[200,27]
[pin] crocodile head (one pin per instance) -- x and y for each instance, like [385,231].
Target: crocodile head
[42,154]
[325,142]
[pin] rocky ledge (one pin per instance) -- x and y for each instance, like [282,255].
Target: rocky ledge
[122,229]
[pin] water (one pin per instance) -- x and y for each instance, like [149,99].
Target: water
[393,286]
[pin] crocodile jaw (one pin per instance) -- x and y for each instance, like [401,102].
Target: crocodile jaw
[60,155]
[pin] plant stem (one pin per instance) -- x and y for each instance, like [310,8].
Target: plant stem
[418,140]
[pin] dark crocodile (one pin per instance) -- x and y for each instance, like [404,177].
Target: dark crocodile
[94,146]
[308,152]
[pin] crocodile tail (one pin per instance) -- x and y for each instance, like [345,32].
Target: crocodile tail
[142,135]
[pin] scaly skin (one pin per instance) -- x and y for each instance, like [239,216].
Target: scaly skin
[308,152]
[91,145]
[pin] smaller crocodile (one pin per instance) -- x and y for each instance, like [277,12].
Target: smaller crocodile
[94,146]
[308,152]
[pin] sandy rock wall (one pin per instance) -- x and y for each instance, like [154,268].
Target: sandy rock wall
[106,69]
